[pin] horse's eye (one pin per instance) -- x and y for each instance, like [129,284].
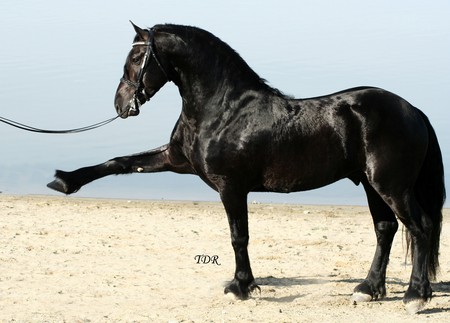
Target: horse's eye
[136,59]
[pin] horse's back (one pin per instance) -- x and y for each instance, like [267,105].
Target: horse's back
[320,140]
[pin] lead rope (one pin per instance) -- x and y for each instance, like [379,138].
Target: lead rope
[76,130]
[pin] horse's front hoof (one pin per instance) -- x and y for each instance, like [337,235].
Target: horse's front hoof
[58,185]
[61,185]
[241,290]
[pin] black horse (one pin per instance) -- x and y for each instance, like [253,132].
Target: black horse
[240,135]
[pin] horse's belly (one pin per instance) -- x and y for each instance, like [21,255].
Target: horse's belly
[293,176]
[289,184]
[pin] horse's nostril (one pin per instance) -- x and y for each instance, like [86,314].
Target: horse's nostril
[123,114]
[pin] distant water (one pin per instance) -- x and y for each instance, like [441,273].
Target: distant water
[60,63]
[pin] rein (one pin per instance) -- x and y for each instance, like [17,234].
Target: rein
[138,85]
[76,130]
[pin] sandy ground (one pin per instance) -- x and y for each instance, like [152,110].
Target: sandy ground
[84,260]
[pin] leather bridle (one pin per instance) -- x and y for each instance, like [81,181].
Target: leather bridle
[139,84]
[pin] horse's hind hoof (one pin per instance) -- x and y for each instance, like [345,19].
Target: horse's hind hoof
[415,306]
[416,298]
[359,297]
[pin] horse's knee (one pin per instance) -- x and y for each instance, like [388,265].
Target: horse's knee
[118,165]
[239,242]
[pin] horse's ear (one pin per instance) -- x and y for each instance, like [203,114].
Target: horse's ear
[141,33]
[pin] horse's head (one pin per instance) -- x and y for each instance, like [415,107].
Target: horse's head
[143,75]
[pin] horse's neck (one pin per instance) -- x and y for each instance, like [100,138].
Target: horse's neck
[208,86]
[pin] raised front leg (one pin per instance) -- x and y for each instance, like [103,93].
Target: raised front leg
[236,207]
[156,160]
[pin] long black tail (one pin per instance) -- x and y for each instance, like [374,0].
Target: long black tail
[430,193]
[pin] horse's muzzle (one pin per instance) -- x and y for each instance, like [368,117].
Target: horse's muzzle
[128,111]
[133,111]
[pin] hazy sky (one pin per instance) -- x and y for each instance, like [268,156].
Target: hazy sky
[61,62]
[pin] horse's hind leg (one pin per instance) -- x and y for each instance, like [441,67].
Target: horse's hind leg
[420,228]
[385,224]
[405,206]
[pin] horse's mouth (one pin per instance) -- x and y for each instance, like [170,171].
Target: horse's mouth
[130,110]
[133,111]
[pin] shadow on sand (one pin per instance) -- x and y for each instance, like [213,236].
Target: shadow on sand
[441,289]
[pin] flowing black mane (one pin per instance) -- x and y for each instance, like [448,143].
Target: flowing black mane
[213,55]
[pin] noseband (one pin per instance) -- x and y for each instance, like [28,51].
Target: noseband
[138,85]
